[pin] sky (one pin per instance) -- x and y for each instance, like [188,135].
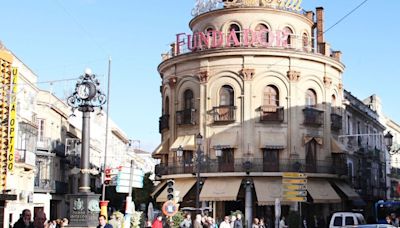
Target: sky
[58,39]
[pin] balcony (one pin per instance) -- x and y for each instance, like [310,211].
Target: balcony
[43,144]
[224,113]
[271,114]
[256,165]
[313,117]
[58,148]
[25,157]
[336,122]
[185,117]
[163,123]
[45,185]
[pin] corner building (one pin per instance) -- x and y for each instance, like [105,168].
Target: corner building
[264,106]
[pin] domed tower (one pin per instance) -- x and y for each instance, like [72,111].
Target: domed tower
[256,81]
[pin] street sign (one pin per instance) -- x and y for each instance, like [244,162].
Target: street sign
[170,208]
[294,181]
[294,186]
[296,199]
[294,193]
[294,175]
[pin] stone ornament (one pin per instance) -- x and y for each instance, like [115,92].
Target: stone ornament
[248,73]
[78,205]
[293,76]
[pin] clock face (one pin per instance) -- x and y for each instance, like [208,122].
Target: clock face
[84,91]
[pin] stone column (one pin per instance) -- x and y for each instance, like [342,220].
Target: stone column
[248,204]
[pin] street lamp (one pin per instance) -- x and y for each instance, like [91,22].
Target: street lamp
[86,98]
[199,142]
[389,142]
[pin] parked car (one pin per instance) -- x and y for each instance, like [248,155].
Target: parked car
[341,219]
[375,226]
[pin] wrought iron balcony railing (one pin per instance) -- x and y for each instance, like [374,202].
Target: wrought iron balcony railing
[336,121]
[45,185]
[43,144]
[269,113]
[255,165]
[185,117]
[313,117]
[163,123]
[224,113]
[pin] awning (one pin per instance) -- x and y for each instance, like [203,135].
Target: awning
[225,140]
[186,142]
[158,188]
[322,192]
[337,147]
[163,148]
[347,190]
[271,140]
[220,189]
[318,139]
[267,190]
[181,186]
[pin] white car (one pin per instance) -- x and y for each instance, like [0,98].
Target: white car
[342,219]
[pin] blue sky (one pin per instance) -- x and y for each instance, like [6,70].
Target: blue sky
[58,39]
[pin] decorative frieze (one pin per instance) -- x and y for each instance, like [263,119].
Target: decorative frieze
[247,74]
[327,82]
[293,76]
[172,82]
[203,76]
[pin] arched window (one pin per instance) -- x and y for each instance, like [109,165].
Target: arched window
[289,32]
[166,106]
[188,99]
[226,96]
[311,156]
[262,27]
[271,96]
[311,98]
[236,28]
[333,103]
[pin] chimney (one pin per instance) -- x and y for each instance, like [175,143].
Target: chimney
[320,25]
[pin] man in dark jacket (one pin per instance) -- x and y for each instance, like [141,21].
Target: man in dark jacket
[25,220]
[103,222]
[238,222]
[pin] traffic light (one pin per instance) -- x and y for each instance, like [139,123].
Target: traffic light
[170,189]
[107,177]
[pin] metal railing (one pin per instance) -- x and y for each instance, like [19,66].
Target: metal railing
[186,116]
[269,113]
[163,123]
[224,113]
[313,117]
[256,165]
[45,185]
[43,143]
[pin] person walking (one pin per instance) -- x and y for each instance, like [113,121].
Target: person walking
[255,223]
[282,223]
[187,222]
[238,223]
[225,223]
[25,220]
[158,222]
[197,222]
[103,222]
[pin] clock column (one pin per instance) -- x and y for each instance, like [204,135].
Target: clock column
[84,206]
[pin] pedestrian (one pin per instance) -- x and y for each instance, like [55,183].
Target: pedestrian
[233,219]
[187,222]
[25,220]
[103,222]
[211,222]
[158,222]
[39,219]
[261,224]
[282,223]
[225,223]
[255,223]
[197,222]
[238,223]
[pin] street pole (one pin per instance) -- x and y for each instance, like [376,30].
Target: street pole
[103,202]
[198,179]
[128,209]
[84,184]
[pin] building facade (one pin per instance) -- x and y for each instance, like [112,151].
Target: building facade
[260,84]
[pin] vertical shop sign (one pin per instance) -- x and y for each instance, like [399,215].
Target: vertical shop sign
[12,120]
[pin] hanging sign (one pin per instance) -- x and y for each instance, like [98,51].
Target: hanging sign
[12,120]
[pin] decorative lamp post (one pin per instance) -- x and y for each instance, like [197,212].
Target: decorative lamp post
[389,143]
[84,206]
[179,152]
[199,142]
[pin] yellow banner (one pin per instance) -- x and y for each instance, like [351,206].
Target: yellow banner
[12,120]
